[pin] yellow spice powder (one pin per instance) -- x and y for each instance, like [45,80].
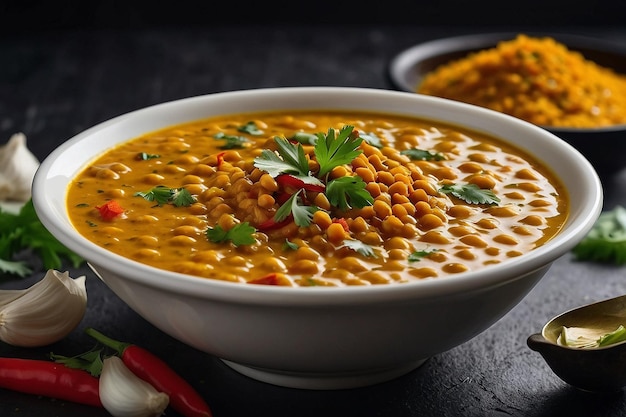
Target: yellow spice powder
[535,79]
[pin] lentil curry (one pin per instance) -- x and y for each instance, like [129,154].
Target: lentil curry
[317,199]
[535,79]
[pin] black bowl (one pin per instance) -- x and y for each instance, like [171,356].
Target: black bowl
[604,147]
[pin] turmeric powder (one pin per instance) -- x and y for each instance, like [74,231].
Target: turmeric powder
[535,79]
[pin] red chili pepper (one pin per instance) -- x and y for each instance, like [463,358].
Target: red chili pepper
[220,159]
[110,210]
[149,367]
[271,224]
[287,180]
[49,379]
[269,279]
[343,223]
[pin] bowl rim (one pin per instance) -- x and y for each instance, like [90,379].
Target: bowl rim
[400,66]
[50,184]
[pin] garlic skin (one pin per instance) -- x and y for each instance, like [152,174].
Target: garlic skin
[17,169]
[44,313]
[124,394]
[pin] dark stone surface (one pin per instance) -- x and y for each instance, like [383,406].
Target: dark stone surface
[54,84]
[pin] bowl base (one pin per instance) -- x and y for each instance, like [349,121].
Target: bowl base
[323,381]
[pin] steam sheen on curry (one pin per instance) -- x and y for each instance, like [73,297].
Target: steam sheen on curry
[317,198]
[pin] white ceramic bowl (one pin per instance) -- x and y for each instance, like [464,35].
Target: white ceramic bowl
[319,338]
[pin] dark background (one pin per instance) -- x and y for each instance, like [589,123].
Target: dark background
[20,16]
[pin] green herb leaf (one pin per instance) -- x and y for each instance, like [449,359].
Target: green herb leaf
[418,255]
[250,128]
[230,141]
[302,215]
[142,156]
[606,242]
[371,139]
[240,234]
[180,197]
[24,231]
[423,155]
[305,138]
[290,245]
[360,247]
[616,336]
[348,192]
[90,361]
[332,151]
[471,193]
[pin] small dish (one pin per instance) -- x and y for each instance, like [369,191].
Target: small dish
[596,369]
[604,147]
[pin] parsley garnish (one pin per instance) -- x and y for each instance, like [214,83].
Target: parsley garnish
[418,255]
[606,242]
[142,156]
[239,234]
[360,247]
[231,141]
[470,193]
[180,197]
[330,151]
[250,128]
[423,155]
[24,231]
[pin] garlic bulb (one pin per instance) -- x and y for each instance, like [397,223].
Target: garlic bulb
[44,313]
[123,394]
[17,169]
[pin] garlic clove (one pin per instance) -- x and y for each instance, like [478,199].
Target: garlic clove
[17,169]
[123,394]
[44,313]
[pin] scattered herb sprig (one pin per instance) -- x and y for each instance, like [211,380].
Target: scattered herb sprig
[606,242]
[180,197]
[330,151]
[471,193]
[24,231]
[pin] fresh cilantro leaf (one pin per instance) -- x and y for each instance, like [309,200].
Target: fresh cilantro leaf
[423,155]
[290,159]
[290,245]
[293,154]
[348,192]
[90,361]
[159,194]
[360,247]
[371,139]
[606,241]
[332,151]
[250,128]
[18,268]
[231,141]
[24,231]
[418,255]
[163,195]
[181,197]
[302,215]
[305,138]
[471,193]
[142,156]
[239,234]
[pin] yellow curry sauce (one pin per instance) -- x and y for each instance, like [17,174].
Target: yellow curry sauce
[216,198]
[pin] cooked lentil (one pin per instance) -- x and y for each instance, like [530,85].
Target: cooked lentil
[414,230]
[535,79]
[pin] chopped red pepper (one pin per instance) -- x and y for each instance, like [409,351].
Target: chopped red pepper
[343,223]
[149,367]
[49,379]
[220,159]
[269,279]
[287,180]
[271,224]
[110,210]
